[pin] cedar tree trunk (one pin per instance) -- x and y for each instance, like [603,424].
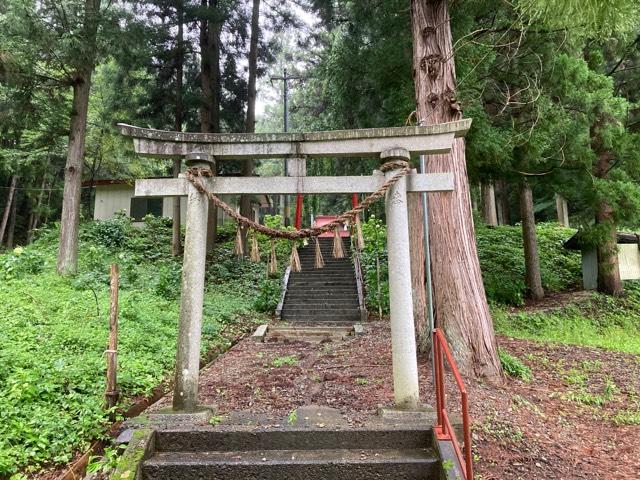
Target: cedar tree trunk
[12,222]
[460,303]
[503,202]
[7,207]
[250,125]
[176,245]
[532,276]
[562,210]
[489,213]
[608,269]
[210,83]
[417,258]
[70,218]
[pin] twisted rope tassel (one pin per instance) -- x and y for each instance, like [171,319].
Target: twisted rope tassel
[255,249]
[273,259]
[294,260]
[238,249]
[319,261]
[359,236]
[338,247]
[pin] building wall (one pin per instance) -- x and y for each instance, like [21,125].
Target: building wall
[629,260]
[628,263]
[110,199]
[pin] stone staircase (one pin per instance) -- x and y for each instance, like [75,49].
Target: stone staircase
[262,453]
[328,294]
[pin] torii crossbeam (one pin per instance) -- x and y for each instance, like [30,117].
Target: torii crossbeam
[200,150]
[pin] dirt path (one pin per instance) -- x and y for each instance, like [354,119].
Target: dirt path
[560,425]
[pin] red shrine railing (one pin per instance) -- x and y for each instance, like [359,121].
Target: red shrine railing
[444,430]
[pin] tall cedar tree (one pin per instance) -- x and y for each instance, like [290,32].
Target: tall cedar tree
[461,308]
[81,82]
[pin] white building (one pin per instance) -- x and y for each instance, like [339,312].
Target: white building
[113,196]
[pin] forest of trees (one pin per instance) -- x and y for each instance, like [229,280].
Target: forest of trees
[552,87]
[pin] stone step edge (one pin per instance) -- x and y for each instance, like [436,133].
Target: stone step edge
[262,331]
[293,457]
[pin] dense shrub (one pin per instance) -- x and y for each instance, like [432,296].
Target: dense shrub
[269,294]
[373,260]
[501,260]
[54,332]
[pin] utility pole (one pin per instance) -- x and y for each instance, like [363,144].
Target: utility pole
[285,79]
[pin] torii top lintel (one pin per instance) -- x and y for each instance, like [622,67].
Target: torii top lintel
[369,142]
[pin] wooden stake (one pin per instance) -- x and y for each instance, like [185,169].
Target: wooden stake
[255,249]
[338,248]
[111,394]
[319,260]
[294,260]
[273,259]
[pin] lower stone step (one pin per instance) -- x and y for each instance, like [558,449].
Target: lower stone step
[336,464]
[314,311]
[321,318]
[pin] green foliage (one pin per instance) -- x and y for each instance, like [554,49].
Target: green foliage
[292,418]
[21,262]
[111,233]
[268,297]
[593,17]
[286,360]
[513,366]
[605,322]
[502,261]
[55,331]
[372,258]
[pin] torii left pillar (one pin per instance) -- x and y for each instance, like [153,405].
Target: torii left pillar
[185,396]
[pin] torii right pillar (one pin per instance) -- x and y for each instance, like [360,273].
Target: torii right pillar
[403,340]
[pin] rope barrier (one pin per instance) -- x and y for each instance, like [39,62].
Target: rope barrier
[195,175]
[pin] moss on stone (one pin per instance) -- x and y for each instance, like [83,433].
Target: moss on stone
[129,465]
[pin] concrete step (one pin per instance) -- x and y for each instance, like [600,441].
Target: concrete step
[328,268]
[314,273]
[289,310]
[322,278]
[213,438]
[319,281]
[324,300]
[320,317]
[335,464]
[321,302]
[314,304]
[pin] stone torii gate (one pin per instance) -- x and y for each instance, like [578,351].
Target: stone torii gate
[203,149]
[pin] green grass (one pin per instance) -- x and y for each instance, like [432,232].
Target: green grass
[514,367]
[54,333]
[282,361]
[604,322]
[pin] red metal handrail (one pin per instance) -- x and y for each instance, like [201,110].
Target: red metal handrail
[443,428]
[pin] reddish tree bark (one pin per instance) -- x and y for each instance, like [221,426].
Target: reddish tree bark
[460,303]
[417,257]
